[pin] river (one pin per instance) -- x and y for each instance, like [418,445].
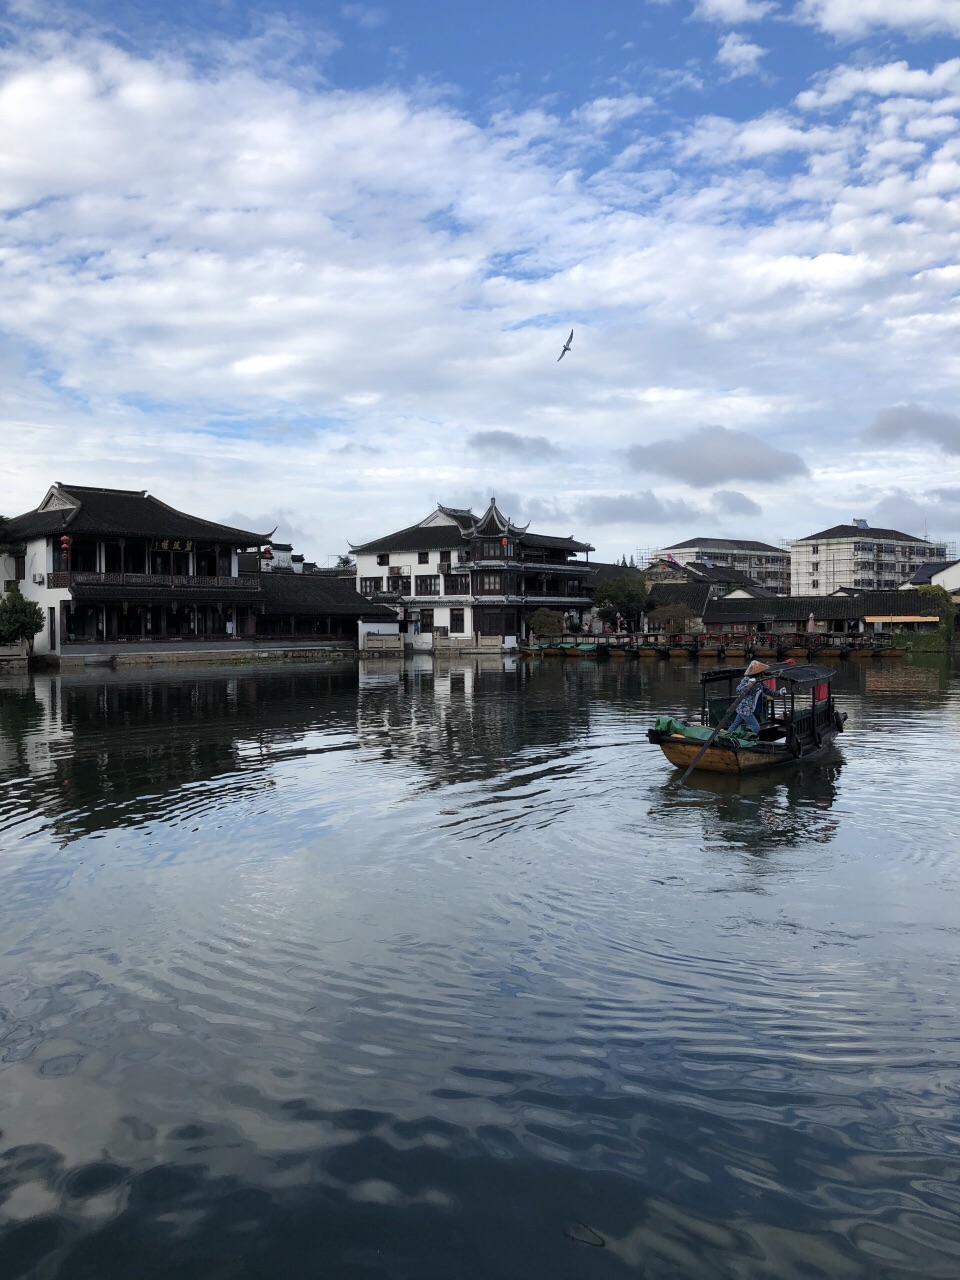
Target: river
[411,974]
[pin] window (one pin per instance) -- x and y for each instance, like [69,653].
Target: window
[383,557]
[457,584]
[20,568]
[426,619]
[490,550]
[814,582]
[428,585]
[456,622]
[398,584]
[423,557]
[368,586]
[490,582]
[815,549]
[815,566]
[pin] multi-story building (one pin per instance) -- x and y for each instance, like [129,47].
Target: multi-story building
[118,567]
[767,565]
[858,557]
[473,575]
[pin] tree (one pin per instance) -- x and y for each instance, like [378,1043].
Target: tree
[671,618]
[942,604]
[4,537]
[344,562]
[545,622]
[20,619]
[626,594]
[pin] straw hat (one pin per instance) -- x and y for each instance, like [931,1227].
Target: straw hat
[754,667]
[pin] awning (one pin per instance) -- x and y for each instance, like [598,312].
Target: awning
[902,617]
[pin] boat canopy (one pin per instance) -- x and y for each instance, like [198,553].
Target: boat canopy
[789,673]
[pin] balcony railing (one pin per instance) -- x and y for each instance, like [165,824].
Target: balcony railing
[196,582]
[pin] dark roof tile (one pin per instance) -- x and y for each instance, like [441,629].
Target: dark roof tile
[124,512]
[864,535]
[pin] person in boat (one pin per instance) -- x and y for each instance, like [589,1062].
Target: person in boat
[750,693]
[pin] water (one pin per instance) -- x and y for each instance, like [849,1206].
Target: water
[421,975]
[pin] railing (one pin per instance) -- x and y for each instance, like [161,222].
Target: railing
[195,582]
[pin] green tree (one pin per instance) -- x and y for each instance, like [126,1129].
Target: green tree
[344,562]
[20,619]
[942,605]
[4,536]
[671,618]
[545,622]
[626,594]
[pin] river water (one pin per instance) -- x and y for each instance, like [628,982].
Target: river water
[433,974]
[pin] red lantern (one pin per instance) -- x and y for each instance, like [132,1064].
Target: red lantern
[267,554]
[503,542]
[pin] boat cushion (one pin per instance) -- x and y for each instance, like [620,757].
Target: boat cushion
[742,736]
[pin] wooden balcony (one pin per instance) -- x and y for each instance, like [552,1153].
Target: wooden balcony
[194,582]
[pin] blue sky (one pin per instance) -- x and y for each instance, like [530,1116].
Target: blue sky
[314,265]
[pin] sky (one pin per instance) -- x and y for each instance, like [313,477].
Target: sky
[312,266]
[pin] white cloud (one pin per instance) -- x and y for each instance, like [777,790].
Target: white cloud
[853,18]
[251,292]
[733,11]
[740,56]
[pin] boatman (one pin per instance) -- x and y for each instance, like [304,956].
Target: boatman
[750,691]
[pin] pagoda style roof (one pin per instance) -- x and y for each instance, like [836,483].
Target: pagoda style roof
[863,534]
[449,528]
[111,513]
[923,577]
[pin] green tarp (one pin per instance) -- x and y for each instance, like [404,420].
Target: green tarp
[742,736]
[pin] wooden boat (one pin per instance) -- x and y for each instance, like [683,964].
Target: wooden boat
[797,651]
[765,651]
[735,651]
[680,655]
[800,726]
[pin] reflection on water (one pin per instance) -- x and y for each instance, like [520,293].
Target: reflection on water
[423,972]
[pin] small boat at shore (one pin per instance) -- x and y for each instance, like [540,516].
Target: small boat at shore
[801,725]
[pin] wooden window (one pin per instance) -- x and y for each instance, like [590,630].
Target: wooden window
[19,568]
[428,585]
[456,622]
[400,585]
[491,550]
[383,558]
[491,582]
[423,557]
[368,586]
[457,584]
[426,619]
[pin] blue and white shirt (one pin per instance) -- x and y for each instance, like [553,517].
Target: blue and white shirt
[752,690]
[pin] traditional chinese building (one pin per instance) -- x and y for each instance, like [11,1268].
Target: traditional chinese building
[467,575]
[115,564]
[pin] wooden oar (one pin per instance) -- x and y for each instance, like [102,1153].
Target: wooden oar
[728,716]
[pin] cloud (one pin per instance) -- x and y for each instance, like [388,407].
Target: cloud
[643,508]
[854,18]
[913,422]
[730,502]
[365,15]
[732,10]
[713,454]
[886,80]
[739,55]
[511,442]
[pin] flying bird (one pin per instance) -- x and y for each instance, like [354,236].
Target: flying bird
[566,347]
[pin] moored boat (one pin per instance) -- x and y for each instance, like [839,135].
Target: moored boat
[800,725]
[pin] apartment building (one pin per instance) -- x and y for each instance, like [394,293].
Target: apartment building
[858,557]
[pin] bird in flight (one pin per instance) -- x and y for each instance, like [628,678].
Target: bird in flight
[566,347]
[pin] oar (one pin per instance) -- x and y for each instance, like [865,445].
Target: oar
[728,716]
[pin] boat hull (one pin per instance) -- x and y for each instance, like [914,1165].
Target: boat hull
[681,752]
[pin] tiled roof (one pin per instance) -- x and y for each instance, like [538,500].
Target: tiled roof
[316,595]
[550,543]
[924,575]
[824,608]
[725,544]
[863,535]
[436,537]
[693,594]
[124,512]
